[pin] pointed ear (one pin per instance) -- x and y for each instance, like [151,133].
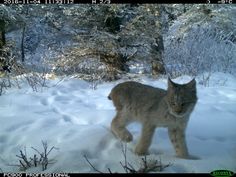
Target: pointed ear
[192,83]
[170,82]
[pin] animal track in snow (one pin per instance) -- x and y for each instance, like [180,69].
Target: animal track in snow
[67,118]
[44,102]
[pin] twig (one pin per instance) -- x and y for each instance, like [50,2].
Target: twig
[44,155]
[124,150]
[25,152]
[131,166]
[127,166]
[109,170]
[51,150]
[23,165]
[92,165]
[128,169]
[130,56]
[145,161]
[152,165]
[35,161]
[22,156]
[37,151]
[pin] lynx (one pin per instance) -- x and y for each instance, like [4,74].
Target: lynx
[154,107]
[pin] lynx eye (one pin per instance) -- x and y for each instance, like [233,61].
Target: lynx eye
[173,103]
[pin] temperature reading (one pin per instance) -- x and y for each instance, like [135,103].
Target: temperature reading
[225,1]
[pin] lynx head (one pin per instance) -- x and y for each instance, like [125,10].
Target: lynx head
[181,98]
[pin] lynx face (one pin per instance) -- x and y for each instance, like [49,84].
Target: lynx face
[181,97]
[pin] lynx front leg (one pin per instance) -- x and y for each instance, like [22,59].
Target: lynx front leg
[118,128]
[177,137]
[145,140]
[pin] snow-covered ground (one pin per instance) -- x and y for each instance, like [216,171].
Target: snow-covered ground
[76,119]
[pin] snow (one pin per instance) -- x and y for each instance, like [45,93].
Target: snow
[76,119]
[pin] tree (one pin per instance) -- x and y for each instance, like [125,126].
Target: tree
[2,33]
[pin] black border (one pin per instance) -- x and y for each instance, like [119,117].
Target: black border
[117,2]
[99,174]
[152,1]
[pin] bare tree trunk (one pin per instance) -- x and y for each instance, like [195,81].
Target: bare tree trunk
[2,33]
[22,44]
[158,47]
[23,37]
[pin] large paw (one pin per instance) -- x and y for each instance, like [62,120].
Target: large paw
[126,136]
[140,151]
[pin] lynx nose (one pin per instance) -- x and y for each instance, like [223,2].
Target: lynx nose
[178,110]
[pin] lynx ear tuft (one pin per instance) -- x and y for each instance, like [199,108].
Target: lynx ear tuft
[170,82]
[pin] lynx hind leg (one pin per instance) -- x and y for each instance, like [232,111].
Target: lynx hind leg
[118,127]
[177,137]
